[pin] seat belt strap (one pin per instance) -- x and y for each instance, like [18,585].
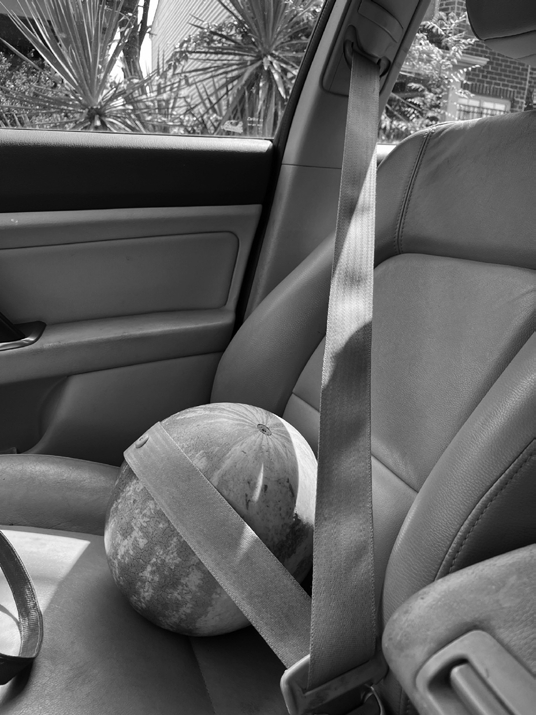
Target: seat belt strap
[343,634]
[259,584]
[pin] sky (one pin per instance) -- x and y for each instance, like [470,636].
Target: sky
[145,54]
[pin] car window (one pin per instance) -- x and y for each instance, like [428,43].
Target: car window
[450,75]
[216,67]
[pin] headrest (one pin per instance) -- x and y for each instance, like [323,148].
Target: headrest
[508,26]
[462,190]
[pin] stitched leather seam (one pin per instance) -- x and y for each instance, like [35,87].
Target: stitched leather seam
[401,220]
[491,500]
[323,337]
[202,675]
[305,402]
[507,483]
[394,474]
[388,469]
[407,710]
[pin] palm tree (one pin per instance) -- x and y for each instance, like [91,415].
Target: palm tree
[81,44]
[240,72]
[136,23]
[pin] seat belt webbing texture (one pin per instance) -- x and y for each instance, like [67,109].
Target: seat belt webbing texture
[343,633]
[272,600]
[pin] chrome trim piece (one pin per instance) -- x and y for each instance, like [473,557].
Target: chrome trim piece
[32,331]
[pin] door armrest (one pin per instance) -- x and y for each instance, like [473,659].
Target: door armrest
[466,644]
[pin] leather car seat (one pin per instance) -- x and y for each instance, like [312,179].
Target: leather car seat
[453,430]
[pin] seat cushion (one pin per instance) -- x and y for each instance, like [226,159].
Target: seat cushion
[100,657]
[55,492]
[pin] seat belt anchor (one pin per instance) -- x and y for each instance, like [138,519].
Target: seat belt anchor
[340,696]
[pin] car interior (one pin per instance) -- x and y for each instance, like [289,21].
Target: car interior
[146,274]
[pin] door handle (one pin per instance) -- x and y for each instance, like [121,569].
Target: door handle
[8,331]
[18,336]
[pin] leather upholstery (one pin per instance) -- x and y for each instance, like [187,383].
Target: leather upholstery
[286,329]
[423,365]
[497,448]
[508,26]
[452,165]
[444,331]
[472,599]
[54,492]
[99,657]
[453,395]
[391,496]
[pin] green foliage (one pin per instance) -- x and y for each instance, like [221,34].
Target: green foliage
[136,18]
[232,77]
[80,43]
[17,82]
[157,103]
[430,70]
[238,74]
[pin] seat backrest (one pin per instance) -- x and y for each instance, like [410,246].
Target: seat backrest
[454,305]
[454,353]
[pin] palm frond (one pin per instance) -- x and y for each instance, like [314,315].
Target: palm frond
[241,71]
[80,44]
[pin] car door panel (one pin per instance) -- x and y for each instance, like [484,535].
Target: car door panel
[139,301]
[185,261]
[59,171]
[74,392]
[21,407]
[96,415]
[73,348]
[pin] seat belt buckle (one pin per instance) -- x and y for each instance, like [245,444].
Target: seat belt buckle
[341,696]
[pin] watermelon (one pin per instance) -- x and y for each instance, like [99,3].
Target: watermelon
[267,472]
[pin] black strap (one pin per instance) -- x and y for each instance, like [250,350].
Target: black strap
[30,616]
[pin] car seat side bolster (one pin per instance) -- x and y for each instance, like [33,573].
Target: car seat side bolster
[267,355]
[508,500]
[54,492]
[494,436]
[396,176]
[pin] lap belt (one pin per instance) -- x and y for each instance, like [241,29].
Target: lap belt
[328,643]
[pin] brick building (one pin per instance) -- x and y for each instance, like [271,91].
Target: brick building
[497,84]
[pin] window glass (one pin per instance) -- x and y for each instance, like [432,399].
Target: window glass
[475,107]
[221,67]
[451,75]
